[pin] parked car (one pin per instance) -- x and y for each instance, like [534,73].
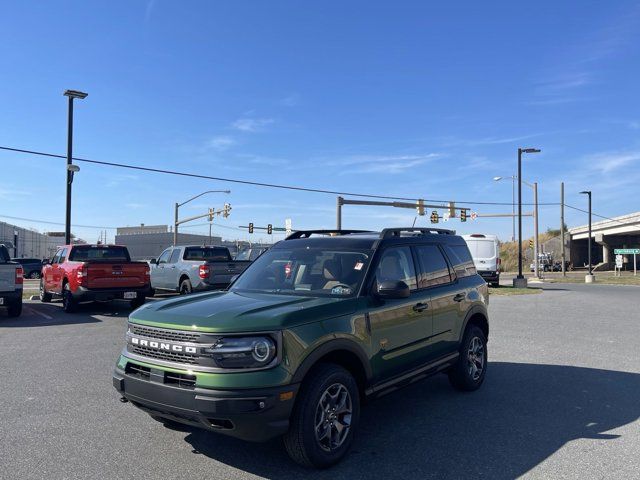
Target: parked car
[84,273]
[251,253]
[11,283]
[32,266]
[185,269]
[485,250]
[317,323]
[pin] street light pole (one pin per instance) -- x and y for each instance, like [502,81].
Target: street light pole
[513,204]
[72,94]
[178,205]
[536,245]
[589,278]
[520,281]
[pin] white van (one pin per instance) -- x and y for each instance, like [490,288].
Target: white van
[485,251]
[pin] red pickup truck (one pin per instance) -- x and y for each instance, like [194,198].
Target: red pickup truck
[83,273]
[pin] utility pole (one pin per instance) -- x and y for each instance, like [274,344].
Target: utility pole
[520,281]
[175,225]
[536,245]
[563,257]
[589,278]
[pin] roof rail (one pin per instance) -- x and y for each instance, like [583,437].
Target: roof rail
[396,232]
[308,233]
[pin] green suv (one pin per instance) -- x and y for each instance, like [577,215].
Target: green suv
[316,325]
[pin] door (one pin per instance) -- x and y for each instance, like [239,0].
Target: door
[158,278]
[172,270]
[437,278]
[57,272]
[48,272]
[400,328]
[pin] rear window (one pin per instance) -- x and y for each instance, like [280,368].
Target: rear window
[461,260]
[209,254]
[99,254]
[482,248]
[4,254]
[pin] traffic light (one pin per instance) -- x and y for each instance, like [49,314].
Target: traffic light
[434,217]
[420,207]
[463,215]
[226,210]
[531,243]
[269,229]
[251,228]
[211,214]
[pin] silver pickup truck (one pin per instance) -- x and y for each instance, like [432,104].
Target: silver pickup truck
[11,281]
[185,269]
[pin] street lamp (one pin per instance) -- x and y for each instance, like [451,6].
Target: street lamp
[72,94]
[589,278]
[178,205]
[520,281]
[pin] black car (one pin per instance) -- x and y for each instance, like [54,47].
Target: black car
[32,266]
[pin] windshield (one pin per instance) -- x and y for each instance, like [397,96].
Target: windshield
[98,254]
[210,254]
[306,271]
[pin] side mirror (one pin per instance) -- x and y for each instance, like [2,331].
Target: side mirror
[393,290]
[153,261]
[45,262]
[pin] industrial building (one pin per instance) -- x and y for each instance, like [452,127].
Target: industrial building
[25,243]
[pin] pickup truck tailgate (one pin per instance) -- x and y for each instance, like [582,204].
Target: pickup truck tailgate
[7,277]
[115,275]
[223,272]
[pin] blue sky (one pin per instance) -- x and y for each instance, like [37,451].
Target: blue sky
[409,99]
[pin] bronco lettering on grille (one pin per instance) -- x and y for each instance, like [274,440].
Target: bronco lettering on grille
[162,345]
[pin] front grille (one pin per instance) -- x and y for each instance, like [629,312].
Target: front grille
[138,371]
[180,379]
[162,334]
[164,355]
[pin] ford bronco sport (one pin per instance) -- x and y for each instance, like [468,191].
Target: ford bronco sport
[315,325]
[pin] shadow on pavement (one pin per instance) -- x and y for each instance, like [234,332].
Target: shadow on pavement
[37,314]
[523,414]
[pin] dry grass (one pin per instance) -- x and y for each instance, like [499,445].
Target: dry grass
[509,252]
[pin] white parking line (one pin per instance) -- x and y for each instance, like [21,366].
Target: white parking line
[33,310]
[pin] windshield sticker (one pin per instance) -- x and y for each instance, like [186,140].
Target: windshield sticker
[340,290]
[358,266]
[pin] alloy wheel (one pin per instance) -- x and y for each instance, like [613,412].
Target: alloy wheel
[333,417]
[475,358]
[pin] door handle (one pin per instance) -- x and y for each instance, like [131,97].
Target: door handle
[459,297]
[420,307]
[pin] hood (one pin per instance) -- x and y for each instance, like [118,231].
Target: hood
[229,312]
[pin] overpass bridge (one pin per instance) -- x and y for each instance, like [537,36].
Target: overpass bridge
[606,235]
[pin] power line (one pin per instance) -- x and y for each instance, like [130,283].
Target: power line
[267,185]
[55,223]
[253,183]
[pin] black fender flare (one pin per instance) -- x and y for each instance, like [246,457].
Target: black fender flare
[332,345]
[472,311]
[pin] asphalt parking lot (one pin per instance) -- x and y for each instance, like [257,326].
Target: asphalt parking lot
[561,400]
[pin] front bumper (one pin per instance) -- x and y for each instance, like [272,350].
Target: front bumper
[84,294]
[249,414]
[10,298]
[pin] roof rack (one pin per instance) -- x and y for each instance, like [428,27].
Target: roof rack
[308,233]
[396,232]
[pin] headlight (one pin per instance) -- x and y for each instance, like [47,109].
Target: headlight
[243,352]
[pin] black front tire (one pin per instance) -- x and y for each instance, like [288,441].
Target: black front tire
[69,305]
[15,309]
[44,296]
[185,287]
[463,376]
[301,442]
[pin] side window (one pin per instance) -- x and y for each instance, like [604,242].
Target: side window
[63,256]
[165,256]
[396,264]
[175,256]
[461,260]
[56,257]
[434,269]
